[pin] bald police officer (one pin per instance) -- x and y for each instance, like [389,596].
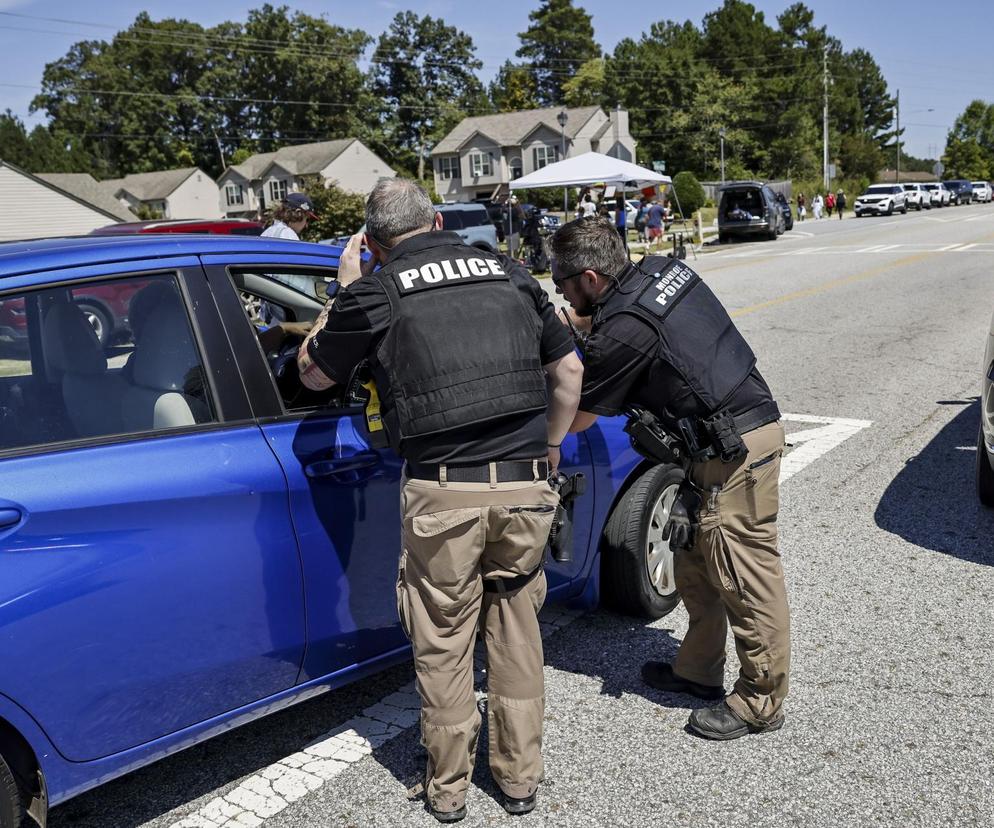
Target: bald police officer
[662,341]
[478,384]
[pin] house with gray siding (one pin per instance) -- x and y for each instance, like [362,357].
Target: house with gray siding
[249,188]
[32,207]
[185,193]
[485,152]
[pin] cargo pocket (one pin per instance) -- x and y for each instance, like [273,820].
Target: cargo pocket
[763,489]
[721,562]
[447,546]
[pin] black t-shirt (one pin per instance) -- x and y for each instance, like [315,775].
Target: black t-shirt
[620,368]
[358,322]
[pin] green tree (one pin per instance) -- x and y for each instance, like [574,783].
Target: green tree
[975,124]
[586,87]
[558,42]
[338,213]
[424,74]
[689,192]
[860,156]
[514,88]
[39,150]
[15,146]
[965,159]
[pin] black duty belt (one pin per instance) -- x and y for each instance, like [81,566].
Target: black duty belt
[507,471]
[509,584]
[762,414]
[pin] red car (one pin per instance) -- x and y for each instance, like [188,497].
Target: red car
[237,227]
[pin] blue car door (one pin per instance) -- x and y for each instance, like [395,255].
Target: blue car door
[149,572]
[344,493]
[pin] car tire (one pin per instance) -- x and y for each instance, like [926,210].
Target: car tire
[12,814]
[637,567]
[904,210]
[723,238]
[100,320]
[985,474]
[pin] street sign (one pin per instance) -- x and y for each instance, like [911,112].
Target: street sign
[831,171]
[659,166]
[937,169]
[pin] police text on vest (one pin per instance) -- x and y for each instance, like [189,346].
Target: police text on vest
[450,269]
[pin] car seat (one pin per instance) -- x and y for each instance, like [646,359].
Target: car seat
[92,396]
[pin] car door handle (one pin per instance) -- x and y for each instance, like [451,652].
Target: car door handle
[329,468]
[8,517]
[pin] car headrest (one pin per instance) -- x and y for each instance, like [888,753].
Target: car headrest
[71,345]
[165,353]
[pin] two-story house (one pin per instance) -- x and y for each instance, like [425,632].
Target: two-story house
[172,194]
[263,179]
[485,152]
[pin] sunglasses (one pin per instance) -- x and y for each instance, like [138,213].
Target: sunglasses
[561,279]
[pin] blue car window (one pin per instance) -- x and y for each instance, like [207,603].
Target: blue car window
[98,359]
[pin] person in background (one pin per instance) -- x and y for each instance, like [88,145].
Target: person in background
[621,218]
[289,218]
[817,203]
[640,219]
[587,206]
[517,220]
[655,218]
[840,202]
[801,209]
[829,203]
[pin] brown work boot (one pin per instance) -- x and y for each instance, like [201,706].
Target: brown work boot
[722,723]
[659,674]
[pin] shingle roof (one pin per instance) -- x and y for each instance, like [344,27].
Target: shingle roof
[509,128]
[151,186]
[299,159]
[86,188]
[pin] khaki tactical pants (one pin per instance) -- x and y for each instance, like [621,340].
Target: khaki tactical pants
[733,575]
[455,536]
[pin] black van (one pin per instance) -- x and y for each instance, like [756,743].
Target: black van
[749,208]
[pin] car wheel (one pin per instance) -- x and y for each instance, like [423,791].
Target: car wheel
[99,320]
[985,474]
[723,238]
[904,210]
[638,564]
[12,813]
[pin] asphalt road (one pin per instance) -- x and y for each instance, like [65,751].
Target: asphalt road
[890,570]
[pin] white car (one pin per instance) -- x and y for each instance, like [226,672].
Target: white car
[982,192]
[917,196]
[881,199]
[940,194]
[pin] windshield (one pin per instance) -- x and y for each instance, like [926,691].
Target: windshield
[879,190]
[931,186]
[910,187]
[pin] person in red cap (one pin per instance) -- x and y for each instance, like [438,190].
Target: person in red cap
[290,218]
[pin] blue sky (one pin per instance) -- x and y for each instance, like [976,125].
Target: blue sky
[938,55]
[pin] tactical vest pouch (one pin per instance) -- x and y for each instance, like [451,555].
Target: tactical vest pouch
[724,436]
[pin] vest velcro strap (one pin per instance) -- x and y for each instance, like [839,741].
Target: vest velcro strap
[501,585]
[506,471]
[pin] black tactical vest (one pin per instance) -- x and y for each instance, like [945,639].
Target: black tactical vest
[696,335]
[463,346]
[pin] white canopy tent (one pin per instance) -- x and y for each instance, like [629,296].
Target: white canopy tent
[591,168]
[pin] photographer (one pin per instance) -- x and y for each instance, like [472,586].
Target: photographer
[660,340]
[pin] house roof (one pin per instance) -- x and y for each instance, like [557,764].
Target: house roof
[64,191]
[86,188]
[297,159]
[509,128]
[151,186]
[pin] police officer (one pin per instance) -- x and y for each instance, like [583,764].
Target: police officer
[478,384]
[661,340]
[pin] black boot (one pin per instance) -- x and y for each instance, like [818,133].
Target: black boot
[659,674]
[448,816]
[515,805]
[722,723]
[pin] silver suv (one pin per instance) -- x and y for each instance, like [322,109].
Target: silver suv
[472,223]
[881,199]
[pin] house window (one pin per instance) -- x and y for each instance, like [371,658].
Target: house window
[448,168]
[544,155]
[480,164]
[277,190]
[234,194]
[516,168]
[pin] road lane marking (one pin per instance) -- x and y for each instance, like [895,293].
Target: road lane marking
[827,286]
[966,247]
[949,247]
[812,443]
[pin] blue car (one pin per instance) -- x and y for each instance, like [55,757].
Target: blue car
[189,538]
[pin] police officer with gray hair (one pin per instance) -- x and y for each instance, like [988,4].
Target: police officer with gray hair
[478,383]
[662,346]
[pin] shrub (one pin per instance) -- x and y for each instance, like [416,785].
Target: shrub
[689,193]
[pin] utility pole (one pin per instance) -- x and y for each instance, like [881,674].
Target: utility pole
[721,138]
[897,134]
[824,119]
[220,151]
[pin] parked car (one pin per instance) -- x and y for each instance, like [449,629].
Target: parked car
[960,191]
[940,195]
[472,223]
[985,436]
[235,227]
[917,196]
[189,539]
[881,200]
[788,214]
[749,208]
[982,191]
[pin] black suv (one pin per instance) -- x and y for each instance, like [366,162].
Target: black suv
[749,208]
[960,191]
